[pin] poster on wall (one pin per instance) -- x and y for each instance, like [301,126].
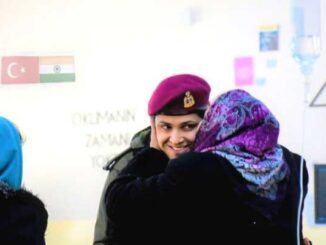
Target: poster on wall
[268,38]
[37,69]
[244,71]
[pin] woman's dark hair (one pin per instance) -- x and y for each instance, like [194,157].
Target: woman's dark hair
[200,112]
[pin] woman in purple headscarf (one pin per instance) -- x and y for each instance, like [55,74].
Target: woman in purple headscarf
[239,186]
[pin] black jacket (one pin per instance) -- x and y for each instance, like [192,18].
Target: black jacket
[138,142]
[23,217]
[195,199]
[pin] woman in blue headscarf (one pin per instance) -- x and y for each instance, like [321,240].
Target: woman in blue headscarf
[23,217]
[239,186]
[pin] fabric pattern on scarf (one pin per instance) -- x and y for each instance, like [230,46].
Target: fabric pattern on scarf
[10,154]
[241,129]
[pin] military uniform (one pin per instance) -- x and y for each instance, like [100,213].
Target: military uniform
[138,142]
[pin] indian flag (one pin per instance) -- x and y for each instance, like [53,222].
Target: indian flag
[57,69]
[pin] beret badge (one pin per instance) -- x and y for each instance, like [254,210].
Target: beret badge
[188,100]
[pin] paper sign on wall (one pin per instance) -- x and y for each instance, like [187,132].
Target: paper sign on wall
[244,71]
[268,38]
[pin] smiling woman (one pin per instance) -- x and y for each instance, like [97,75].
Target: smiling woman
[176,108]
[176,134]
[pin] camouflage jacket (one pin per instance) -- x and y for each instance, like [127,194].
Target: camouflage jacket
[114,166]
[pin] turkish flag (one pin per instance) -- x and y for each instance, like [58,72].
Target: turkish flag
[20,69]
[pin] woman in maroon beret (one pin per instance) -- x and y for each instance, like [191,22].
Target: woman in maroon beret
[176,107]
[239,186]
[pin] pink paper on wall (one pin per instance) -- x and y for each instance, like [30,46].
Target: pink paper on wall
[244,71]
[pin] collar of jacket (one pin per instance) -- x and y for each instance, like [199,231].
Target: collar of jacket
[138,141]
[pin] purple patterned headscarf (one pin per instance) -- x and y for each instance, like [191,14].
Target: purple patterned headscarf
[241,129]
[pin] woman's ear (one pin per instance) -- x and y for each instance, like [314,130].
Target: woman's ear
[153,142]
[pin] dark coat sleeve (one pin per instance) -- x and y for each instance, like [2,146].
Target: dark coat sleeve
[150,183]
[23,219]
[151,191]
[129,193]
[298,193]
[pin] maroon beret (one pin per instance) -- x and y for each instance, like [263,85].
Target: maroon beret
[179,94]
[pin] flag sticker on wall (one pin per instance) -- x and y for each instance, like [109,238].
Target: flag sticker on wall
[57,69]
[34,69]
[20,69]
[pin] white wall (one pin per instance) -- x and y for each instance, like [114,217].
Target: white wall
[122,49]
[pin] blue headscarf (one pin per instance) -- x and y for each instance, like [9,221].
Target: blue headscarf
[11,166]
